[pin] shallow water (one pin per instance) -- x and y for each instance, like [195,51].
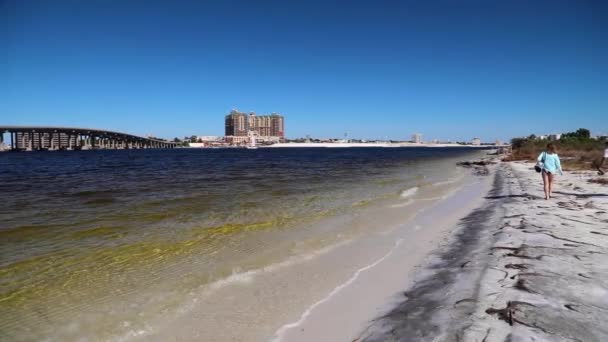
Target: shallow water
[100,244]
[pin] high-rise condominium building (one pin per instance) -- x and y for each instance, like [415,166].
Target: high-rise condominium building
[417,138]
[267,127]
[236,124]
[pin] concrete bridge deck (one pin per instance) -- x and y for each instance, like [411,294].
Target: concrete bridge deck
[30,138]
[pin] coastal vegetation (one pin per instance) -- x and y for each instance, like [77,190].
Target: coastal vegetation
[577,150]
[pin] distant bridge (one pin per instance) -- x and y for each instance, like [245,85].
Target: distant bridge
[32,138]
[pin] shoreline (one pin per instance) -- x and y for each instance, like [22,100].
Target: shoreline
[351,304]
[388,145]
[315,294]
[422,313]
[190,277]
[519,267]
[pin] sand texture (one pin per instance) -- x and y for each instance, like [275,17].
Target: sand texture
[519,268]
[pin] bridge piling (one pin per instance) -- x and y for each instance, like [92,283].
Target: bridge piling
[32,138]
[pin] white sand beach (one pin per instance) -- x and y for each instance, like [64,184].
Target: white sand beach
[547,277]
[519,268]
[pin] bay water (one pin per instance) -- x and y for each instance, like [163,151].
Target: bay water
[103,244]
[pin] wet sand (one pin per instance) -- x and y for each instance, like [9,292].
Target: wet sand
[518,268]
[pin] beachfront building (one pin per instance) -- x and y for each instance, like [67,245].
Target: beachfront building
[476,142]
[267,128]
[236,140]
[417,138]
[555,136]
[236,124]
[208,138]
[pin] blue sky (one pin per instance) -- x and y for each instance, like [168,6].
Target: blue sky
[448,69]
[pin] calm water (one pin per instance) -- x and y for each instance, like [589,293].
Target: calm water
[96,243]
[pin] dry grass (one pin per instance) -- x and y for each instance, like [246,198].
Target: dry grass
[573,158]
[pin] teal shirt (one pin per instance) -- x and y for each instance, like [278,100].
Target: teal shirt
[551,162]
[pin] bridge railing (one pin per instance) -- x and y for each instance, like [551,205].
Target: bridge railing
[69,138]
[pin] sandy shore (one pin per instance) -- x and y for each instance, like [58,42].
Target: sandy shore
[518,268]
[371,290]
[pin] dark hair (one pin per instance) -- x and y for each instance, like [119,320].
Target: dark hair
[551,147]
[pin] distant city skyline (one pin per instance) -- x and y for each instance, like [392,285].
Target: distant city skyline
[377,70]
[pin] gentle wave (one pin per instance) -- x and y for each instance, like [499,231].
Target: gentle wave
[449,181]
[404,204]
[240,277]
[409,192]
[278,336]
[247,276]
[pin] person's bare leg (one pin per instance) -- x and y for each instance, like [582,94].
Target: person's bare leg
[550,178]
[545,185]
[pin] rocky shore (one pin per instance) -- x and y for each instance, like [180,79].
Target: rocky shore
[519,268]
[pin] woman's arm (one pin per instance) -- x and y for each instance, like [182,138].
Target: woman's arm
[540,157]
[559,165]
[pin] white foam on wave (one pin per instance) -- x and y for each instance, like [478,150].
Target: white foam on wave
[248,276]
[278,335]
[409,192]
[237,277]
[433,198]
[449,181]
[443,197]
[403,204]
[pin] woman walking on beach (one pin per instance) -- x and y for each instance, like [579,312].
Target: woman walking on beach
[550,166]
[601,167]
